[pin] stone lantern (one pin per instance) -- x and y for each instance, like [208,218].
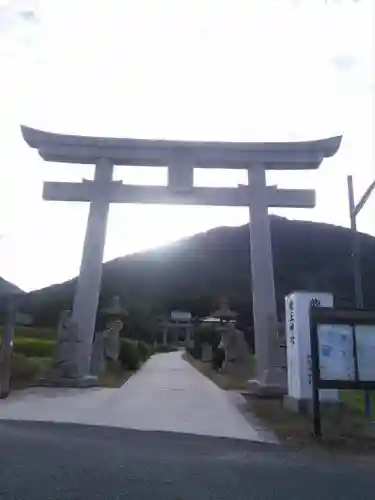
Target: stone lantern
[114,310]
[225,314]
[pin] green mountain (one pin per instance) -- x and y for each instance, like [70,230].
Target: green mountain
[197,271]
[7,288]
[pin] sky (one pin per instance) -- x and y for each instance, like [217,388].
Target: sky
[231,70]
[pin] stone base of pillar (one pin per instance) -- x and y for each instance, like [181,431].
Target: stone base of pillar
[79,382]
[305,407]
[295,405]
[369,430]
[260,389]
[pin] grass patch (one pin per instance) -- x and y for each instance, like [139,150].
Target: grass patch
[222,380]
[115,375]
[343,428]
[355,400]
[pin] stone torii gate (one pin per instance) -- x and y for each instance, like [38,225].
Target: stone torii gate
[181,158]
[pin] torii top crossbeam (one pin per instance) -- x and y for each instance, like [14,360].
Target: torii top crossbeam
[273,155]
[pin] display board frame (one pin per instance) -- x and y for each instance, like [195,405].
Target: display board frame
[336,317]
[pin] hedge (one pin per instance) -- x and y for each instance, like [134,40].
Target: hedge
[26,370]
[145,350]
[34,348]
[205,334]
[23,368]
[33,332]
[210,335]
[132,352]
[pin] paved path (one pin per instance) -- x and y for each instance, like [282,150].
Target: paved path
[167,394]
[68,462]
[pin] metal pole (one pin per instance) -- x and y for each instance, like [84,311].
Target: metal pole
[357,272]
[356,262]
[7,347]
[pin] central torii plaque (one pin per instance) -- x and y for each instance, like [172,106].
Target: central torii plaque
[181,157]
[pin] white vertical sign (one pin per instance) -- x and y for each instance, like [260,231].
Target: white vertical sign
[297,306]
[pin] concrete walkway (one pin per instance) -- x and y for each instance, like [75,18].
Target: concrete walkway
[167,394]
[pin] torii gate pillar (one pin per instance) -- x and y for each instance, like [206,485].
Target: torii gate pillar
[269,376]
[86,298]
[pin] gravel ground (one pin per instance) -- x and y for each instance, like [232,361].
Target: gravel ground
[44,461]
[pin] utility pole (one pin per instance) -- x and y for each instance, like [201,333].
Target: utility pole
[356,258]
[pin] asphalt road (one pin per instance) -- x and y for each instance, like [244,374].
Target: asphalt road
[61,461]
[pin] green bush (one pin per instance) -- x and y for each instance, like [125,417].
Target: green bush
[209,335]
[205,334]
[129,354]
[26,370]
[145,350]
[33,348]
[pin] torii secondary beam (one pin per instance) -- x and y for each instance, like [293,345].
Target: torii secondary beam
[117,192]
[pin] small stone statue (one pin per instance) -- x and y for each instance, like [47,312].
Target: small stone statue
[236,351]
[112,339]
[106,344]
[64,361]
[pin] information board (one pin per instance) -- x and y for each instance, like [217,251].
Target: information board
[336,359]
[365,340]
[342,352]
